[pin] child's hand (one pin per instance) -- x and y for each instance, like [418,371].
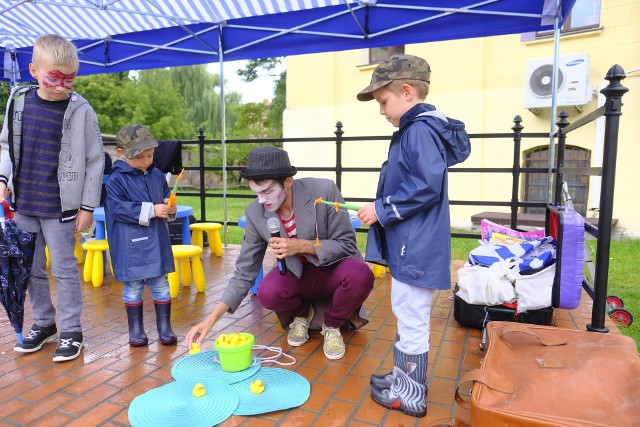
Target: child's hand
[163,211]
[4,192]
[367,214]
[84,220]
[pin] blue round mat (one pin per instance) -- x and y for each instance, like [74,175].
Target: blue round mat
[205,365]
[283,389]
[173,404]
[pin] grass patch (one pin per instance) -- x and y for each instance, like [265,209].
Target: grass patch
[624,258]
[623,264]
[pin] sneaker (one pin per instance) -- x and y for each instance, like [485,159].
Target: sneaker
[299,329]
[69,346]
[38,336]
[333,344]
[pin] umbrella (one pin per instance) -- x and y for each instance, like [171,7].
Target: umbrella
[16,258]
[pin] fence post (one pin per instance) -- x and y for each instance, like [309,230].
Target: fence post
[613,110]
[562,140]
[203,204]
[339,133]
[515,183]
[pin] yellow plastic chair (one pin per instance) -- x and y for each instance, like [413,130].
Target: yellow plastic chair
[213,231]
[378,270]
[93,264]
[183,269]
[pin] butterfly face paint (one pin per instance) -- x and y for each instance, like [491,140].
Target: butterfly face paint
[54,78]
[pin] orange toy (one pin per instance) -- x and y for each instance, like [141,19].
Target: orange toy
[173,200]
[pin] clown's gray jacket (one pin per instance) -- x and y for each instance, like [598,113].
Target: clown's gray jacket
[81,160]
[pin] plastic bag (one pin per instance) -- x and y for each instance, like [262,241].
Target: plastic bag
[533,290]
[486,285]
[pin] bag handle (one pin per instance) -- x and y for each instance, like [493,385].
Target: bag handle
[482,377]
[524,330]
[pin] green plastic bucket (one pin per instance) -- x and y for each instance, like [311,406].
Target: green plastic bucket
[238,357]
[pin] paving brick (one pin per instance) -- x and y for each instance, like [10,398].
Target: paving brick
[97,388]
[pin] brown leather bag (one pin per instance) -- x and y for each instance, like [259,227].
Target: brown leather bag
[545,376]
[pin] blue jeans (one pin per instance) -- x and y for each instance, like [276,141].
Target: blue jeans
[61,240]
[159,287]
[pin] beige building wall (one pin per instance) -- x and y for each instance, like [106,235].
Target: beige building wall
[481,82]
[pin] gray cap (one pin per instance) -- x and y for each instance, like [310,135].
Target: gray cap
[398,67]
[268,162]
[134,139]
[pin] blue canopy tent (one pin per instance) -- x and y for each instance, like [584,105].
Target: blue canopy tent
[122,35]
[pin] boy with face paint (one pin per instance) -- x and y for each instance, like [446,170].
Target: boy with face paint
[52,164]
[325,285]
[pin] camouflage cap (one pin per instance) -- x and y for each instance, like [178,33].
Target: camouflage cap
[397,67]
[134,139]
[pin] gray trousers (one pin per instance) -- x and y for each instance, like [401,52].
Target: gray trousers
[60,239]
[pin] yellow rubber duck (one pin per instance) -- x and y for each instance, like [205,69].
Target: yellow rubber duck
[194,348]
[198,390]
[257,387]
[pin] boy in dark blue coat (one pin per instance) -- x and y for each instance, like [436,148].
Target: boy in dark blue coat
[136,216]
[409,220]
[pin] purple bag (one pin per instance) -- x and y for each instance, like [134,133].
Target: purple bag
[566,226]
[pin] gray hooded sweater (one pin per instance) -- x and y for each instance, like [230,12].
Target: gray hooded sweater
[81,160]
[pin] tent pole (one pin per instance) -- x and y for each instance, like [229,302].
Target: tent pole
[223,137]
[554,98]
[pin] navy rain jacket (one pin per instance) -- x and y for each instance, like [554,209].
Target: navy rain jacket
[412,236]
[139,242]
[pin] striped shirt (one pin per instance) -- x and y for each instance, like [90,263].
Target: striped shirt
[290,228]
[38,189]
[289,225]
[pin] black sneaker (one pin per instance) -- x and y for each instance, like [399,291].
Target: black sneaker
[69,346]
[38,336]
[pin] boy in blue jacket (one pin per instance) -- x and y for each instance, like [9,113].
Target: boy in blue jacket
[136,216]
[409,220]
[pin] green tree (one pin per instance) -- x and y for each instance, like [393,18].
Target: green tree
[162,106]
[201,91]
[112,96]
[148,97]
[258,67]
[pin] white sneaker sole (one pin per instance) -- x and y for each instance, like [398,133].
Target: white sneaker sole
[52,338]
[296,344]
[334,356]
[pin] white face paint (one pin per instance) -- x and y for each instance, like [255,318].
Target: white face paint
[270,193]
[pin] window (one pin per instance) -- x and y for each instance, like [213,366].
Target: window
[584,15]
[379,54]
[535,184]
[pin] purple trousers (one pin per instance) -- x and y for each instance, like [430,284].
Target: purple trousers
[346,284]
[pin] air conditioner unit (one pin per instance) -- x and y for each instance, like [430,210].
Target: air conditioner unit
[573,82]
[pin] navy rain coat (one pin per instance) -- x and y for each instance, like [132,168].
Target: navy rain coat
[412,236]
[139,242]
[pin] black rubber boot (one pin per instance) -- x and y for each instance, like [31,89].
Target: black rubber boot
[163,320]
[408,392]
[137,337]
[385,380]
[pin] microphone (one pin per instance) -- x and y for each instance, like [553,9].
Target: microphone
[274,228]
